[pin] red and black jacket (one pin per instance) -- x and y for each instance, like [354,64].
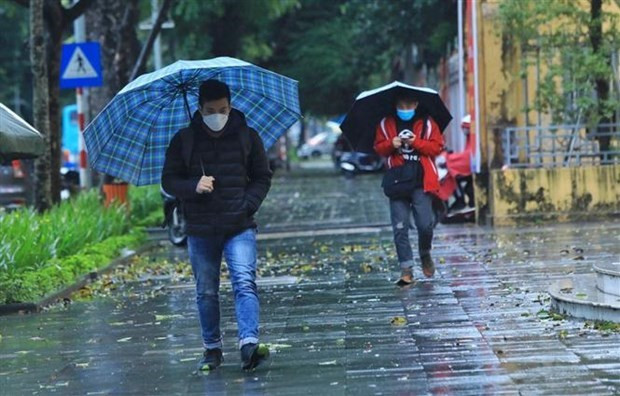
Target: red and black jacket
[427,146]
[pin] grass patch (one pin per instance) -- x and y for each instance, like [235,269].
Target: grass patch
[41,253]
[605,326]
[31,286]
[29,240]
[154,219]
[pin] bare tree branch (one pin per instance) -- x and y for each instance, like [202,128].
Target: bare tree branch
[76,10]
[146,49]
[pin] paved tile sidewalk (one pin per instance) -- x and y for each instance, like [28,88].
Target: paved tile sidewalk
[336,323]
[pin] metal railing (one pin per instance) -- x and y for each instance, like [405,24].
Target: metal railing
[560,145]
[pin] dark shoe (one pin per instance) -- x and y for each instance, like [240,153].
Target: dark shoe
[211,359]
[406,278]
[457,205]
[252,355]
[428,266]
[402,282]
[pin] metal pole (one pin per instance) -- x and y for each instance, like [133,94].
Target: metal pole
[615,61]
[538,115]
[157,44]
[79,27]
[476,87]
[461,65]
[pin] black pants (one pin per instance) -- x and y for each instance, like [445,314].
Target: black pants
[421,205]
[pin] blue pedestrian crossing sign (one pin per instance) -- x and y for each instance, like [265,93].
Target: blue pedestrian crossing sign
[80,65]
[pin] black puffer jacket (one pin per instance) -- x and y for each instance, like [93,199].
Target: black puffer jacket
[239,165]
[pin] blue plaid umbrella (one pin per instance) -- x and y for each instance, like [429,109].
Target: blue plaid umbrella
[128,139]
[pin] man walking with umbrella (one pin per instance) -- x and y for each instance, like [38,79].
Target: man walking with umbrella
[403,124]
[219,168]
[217,165]
[410,142]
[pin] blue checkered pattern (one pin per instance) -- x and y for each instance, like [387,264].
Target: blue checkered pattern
[129,138]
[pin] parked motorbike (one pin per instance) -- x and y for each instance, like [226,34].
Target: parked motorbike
[452,206]
[353,162]
[174,220]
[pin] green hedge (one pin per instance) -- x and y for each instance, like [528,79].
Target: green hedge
[39,253]
[29,240]
[31,286]
[145,203]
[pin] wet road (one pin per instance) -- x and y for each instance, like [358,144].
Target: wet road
[335,322]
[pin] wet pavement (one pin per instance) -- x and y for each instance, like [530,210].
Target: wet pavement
[335,322]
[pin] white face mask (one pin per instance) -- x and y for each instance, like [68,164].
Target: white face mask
[215,122]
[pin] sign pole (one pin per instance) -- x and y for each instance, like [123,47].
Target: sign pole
[157,43]
[461,106]
[79,27]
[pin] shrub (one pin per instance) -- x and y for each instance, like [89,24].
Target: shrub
[144,202]
[31,286]
[28,240]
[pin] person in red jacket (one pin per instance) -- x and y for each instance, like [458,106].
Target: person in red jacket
[411,138]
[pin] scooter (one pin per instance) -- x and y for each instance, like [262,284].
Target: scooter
[353,162]
[452,192]
[174,220]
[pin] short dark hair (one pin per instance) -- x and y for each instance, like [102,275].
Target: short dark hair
[212,90]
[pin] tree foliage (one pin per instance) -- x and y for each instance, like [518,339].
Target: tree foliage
[15,73]
[241,28]
[560,33]
[334,48]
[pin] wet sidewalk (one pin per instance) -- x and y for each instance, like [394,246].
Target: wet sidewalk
[334,320]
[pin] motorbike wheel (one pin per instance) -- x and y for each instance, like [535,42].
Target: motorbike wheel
[176,229]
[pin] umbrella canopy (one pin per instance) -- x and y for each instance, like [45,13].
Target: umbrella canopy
[129,138]
[18,139]
[371,107]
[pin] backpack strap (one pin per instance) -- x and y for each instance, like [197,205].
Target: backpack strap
[246,144]
[187,143]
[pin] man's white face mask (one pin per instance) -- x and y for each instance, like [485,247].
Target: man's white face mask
[215,122]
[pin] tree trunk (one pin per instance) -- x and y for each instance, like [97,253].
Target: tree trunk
[43,194]
[53,56]
[601,84]
[113,24]
[57,19]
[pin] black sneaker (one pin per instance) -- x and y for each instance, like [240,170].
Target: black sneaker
[252,355]
[459,204]
[211,359]
[428,266]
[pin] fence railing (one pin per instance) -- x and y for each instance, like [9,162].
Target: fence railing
[561,145]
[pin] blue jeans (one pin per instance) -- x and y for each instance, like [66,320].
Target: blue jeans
[421,205]
[205,255]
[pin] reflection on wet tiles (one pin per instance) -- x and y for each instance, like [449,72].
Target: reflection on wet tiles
[335,322]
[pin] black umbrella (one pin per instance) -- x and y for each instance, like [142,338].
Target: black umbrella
[370,107]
